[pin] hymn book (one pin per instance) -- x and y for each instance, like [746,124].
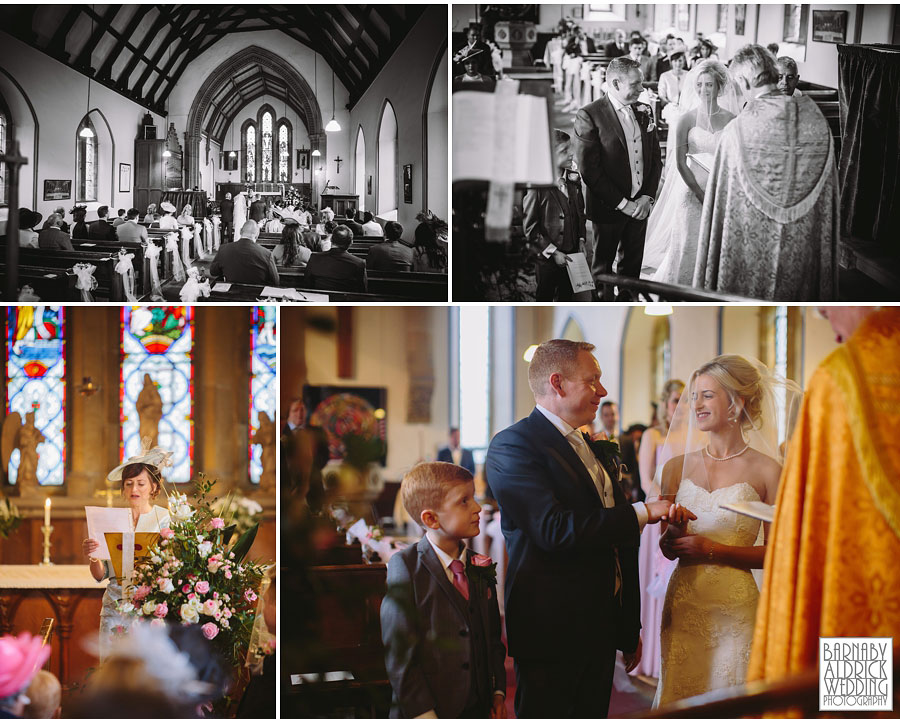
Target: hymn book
[501,138]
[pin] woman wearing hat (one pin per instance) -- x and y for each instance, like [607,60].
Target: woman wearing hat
[168,221]
[473,79]
[28,220]
[21,659]
[80,229]
[141,483]
[187,216]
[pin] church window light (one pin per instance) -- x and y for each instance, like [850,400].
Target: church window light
[36,382]
[387,164]
[472,340]
[3,133]
[250,155]
[266,149]
[262,379]
[157,342]
[284,154]
[87,163]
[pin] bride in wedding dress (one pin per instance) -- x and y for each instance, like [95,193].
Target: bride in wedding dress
[725,445]
[709,101]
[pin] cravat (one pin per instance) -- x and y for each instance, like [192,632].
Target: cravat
[460,580]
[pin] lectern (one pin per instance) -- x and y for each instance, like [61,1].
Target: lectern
[341,204]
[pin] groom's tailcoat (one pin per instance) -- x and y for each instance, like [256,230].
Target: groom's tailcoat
[602,154]
[562,544]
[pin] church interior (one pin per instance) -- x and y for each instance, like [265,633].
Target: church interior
[407,378]
[336,111]
[825,41]
[83,385]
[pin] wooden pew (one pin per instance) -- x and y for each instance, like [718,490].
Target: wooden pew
[424,286]
[109,282]
[140,262]
[346,636]
[48,284]
[252,293]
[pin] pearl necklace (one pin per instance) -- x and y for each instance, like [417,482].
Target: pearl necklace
[730,456]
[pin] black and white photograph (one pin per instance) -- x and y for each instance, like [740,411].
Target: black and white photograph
[671,152]
[228,152]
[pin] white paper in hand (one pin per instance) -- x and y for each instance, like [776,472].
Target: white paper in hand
[101,520]
[579,273]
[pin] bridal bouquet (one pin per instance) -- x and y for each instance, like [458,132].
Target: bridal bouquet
[9,518]
[191,576]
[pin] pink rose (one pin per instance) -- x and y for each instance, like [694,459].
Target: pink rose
[217,523]
[186,589]
[191,596]
[227,574]
[210,630]
[250,595]
[141,592]
[479,560]
[202,587]
[161,610]
[166,533]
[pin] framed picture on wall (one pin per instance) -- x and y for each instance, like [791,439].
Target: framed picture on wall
[740,19]
[829,26]
[369,185]
[124,177]
[578,12]
[57,189]
[302,159]
[407,184]
[796,20]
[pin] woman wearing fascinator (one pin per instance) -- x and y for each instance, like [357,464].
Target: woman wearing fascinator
[141,479]
[725,445]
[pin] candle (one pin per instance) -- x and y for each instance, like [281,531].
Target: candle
[47,512]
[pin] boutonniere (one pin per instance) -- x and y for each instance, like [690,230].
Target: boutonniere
[482,570]
[602,448]
[648,116]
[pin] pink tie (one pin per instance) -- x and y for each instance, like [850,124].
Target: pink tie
[460,581]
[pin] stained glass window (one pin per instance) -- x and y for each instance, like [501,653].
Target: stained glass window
[36,382]
[262,378]
[283,154]
[87,164]
[2,152]
[266,151]
[250,155]
[156,388]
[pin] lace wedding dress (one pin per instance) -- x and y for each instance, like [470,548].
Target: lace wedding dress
[709,612]
[680,237]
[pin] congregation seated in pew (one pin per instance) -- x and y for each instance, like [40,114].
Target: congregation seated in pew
[101,229]
[28,220]
[244,261]
[392,254]
[370,228]
[120,218]
[130,230]
[52,236]
[337,269]
[80,227]
[168,220]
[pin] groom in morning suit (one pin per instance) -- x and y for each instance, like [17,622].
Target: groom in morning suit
[617,148]
[572,594]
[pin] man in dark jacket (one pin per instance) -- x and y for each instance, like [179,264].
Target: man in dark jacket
[244,261]
[101,229]
[337,270]
[52,237]
[226,209]
[390,255]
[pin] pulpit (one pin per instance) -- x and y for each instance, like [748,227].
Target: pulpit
[30,594]
[341,204]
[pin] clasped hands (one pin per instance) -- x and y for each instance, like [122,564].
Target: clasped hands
[640,208]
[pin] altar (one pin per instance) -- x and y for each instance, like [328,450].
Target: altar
[339,203]
[66,593]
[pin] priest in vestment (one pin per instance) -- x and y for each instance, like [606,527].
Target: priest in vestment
[770,222]
[831,561]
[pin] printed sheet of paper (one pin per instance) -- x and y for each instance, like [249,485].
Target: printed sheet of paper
[101,520]
[273,292]
[579,273]
[757,510]
[221,287]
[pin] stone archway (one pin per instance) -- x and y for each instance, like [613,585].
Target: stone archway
[300,97]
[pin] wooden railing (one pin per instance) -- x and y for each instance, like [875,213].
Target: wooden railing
[650,291]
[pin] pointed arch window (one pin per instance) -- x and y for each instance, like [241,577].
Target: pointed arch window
[248,134]
[285,139]
[266,148]
[360,168]
[387,163]
[87,163]
[3,133]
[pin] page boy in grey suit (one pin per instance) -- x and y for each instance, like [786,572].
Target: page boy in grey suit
[440,620]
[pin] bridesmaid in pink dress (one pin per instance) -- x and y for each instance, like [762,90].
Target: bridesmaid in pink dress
[653,568]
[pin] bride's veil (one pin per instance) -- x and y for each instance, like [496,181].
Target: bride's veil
[664,213]
[766,419]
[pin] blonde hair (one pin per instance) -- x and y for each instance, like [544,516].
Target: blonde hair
[741,380]
[45,694]
[426,485]
[553,356]
[673,385]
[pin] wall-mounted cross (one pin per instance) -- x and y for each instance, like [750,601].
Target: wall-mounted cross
[338,161]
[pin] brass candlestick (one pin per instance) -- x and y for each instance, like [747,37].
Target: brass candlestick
[47,530]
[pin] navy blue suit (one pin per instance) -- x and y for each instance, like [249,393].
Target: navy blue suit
[562,615]
[466,461]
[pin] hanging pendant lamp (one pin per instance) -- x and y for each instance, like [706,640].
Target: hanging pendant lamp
[333,125]
[315,152]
